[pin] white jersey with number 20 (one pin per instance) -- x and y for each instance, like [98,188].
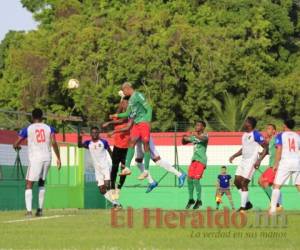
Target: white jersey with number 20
[39,141]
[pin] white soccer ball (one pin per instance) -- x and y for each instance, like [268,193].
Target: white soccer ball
[73,84]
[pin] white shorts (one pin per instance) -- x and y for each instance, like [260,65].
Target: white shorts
[37,169]
[287,169]
[102,174]
[140,149]
[246,168]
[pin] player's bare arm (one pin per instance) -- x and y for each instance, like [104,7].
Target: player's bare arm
[122,130]
[115,122]
[18,143]
[261,155]
[237,154]
[79,142]
[56,150]
[277,156]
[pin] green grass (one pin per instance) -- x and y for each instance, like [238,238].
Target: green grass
[91,229]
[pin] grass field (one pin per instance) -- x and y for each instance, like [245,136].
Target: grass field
[92,229]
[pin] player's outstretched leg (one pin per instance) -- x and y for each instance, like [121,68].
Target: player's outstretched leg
[191,200]
[171,169]
[106,192]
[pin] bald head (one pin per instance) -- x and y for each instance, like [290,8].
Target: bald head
[127,88]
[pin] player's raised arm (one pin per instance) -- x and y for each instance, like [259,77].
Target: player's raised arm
[81,144]
[126,114]
[122,130]
[56,150]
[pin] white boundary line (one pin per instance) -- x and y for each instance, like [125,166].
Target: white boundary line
[38,218]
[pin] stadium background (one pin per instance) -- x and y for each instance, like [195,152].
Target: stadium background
[74,186]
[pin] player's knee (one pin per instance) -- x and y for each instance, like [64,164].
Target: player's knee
[29,185]
[41,183]
[156,158]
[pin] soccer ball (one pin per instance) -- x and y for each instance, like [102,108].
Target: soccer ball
[73,84]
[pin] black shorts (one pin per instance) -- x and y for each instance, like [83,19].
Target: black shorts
[119,155]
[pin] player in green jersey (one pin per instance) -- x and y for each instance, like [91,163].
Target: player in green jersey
[199,161]
[268,176]
[141,112]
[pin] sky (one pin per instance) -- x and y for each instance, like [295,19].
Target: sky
[14,17]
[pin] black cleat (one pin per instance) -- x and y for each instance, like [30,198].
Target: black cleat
[190,203]
[248,205]
[197,204]
[39,212]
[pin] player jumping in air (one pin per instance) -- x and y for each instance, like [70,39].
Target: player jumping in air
[223,187]
[98,149]
[139,108]
[121,141]
[154,156]
[287,161]
[267,178]
[39,137]
[251,141]
[199,161]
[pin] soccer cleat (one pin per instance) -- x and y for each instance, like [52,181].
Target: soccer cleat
[117,206]
[181,180]
[28,214]
[143,175]
[248,205]
[197,204]
[115,194]
[190,203]
[125,171]
[279,208]
[151,186]
[39,212]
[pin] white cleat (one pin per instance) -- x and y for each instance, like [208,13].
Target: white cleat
[143,175]
[125,171]
[115,194]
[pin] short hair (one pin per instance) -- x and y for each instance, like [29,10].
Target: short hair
[126,98]
[203,123]
[37,113]
[224,167]
[126,84]
[94,128]
[272,125]
[252,121]
[290,123]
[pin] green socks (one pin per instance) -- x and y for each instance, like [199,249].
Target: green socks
[129,156]
[147,157]
[198,188]
[190,188]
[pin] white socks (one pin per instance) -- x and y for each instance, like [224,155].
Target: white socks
[141,166]
[274,200]
[41,197]
[28,199]
[167,166]
[244,198]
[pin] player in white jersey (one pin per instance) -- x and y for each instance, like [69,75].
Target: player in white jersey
[39,137]
[98,149]
[155,157]
[252,140]
[287,161]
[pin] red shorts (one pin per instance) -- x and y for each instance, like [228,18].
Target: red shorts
[141,131]
[196,170]
[268,176]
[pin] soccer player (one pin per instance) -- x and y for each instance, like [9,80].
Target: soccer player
[199,160]
[154,156]
[40,137]
[287,161]
[139,108]
[267,178]
[223,187]
[98,149]
[121,141]
[251,142]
